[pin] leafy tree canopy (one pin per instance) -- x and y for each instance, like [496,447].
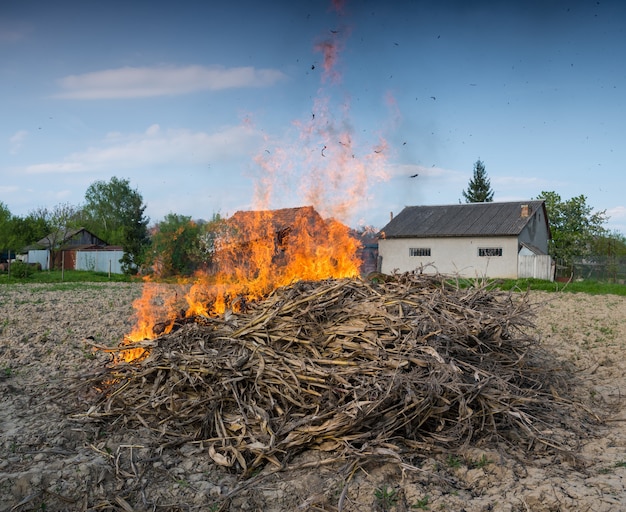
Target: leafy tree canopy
[479,187]
[115,212]
[18,232]
[59,220]
[612,244]
[5,227]
[110,207]
[575,227]
[29,229]
[174,246]
[181,246]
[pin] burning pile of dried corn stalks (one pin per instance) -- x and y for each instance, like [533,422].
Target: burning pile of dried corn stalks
[404,362]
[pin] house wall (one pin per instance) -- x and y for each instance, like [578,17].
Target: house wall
[536,232]
[458,255]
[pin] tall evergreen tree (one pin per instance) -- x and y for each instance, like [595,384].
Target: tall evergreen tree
[479,187]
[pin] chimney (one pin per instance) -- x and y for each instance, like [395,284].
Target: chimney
[525,211]
[390,216]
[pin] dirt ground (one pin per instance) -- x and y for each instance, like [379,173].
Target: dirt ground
[52,459]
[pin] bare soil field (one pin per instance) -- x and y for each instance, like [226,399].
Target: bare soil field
[51,460]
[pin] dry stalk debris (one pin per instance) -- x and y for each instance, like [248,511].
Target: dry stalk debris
[383,367]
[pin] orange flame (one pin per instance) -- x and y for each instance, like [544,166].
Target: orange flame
[257,252]
[155,314]
[261,250]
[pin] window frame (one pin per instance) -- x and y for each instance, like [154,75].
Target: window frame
[419,252]
[490,252]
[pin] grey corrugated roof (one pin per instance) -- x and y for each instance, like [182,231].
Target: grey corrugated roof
[469,219]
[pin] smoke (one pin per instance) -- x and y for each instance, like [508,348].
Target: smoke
[331,169]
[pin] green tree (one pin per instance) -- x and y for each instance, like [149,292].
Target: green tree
[28,230]
[610,252]
[135,240]
[5,227]
[175,246]
[115,212]
[60,220]
[575,227]
[479,187]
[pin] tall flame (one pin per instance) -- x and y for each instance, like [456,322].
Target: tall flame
[258,251]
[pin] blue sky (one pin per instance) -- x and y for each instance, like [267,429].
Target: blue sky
[211,107]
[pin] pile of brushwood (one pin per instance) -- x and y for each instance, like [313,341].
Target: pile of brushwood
[393,365]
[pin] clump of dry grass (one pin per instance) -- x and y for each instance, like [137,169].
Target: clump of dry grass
[355,367]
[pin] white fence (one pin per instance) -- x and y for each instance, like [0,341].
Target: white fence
[535,266]
[99,261]
[94,260]
[40,256]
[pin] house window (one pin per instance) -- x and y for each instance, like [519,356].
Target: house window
[490,251]
[419,251]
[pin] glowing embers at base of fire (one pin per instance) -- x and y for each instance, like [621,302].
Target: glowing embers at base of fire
[130,352]
[256,253]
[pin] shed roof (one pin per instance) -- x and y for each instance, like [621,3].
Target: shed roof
[63,235]
[277,220]
[469,219]
[60,236]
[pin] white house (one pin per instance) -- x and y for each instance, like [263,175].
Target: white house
[497,240]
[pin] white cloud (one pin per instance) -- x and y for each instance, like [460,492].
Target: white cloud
[66,167]
[16,141]
[617,213]
[617,219]
[153,130]
[155,148]
[8,190]
[135,82]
